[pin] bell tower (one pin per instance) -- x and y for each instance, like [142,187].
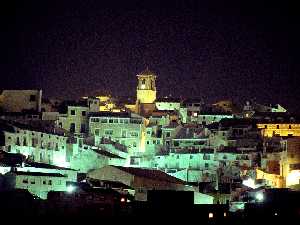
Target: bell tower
[146,89]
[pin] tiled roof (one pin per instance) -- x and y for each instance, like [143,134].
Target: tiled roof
[150,174]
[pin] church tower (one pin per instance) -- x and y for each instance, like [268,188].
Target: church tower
[146,89]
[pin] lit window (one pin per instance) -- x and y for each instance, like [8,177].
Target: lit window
[210,215]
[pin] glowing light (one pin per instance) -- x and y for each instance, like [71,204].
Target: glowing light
[143,86]
[275,214]
[293,178]
[71,189]
[123,199]
[210,215]
[225,214]
[195,114]
[259,196]
[249,183]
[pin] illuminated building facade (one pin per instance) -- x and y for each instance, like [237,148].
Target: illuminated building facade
[118,127]
[279,129]
[38,146]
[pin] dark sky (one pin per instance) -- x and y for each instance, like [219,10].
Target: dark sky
[214,51]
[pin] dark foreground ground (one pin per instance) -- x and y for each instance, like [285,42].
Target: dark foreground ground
[145,213]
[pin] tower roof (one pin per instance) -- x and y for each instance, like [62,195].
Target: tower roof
[146,72]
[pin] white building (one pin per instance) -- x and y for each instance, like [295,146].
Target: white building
[37,183]
[168,104]
[118,127]
[37,145]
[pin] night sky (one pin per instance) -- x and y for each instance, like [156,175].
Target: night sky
[197,49]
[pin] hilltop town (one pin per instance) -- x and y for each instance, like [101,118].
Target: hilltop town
[60,151]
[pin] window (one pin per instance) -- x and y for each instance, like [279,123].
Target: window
[59,182]
[44,182]
[56,147]
[32,98]
[290,126]
[134,134]
[103,120]
[168,134]
[191,157]
[266,126]
[206,165]
[110,121]
[115,120]
[49,182]
[148,132]
[176,143]
[73,112]
[124,133]
[32,181]
[25,181]
[18,141]
[206,157]
[72,127]
[97,132]
[95,120]
[108,132]
[134,144]
[148,142]
[154,142]
[177,157]
[158,142]
[83,113]
[82,128]
[277,126]
[24,142]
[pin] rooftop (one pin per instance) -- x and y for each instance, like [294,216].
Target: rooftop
[38,174]
[110,114]
[45,166]
[150,174]
[107,154]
